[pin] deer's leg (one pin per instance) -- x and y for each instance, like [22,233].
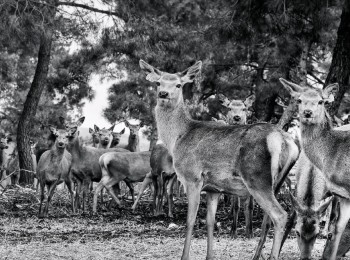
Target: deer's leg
[171,196]
[234,213]
[50,192]
[248,213]
[99,188]
[77,194]
[86,185]
[265,227]
[69,185]
[269,203]
[212,204]
[193,197]
[42,197]
[109,186]
[131,188]
[145,183]
[331,248]
[155,197]
[160,193]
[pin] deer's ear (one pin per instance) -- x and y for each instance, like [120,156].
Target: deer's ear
[330,91]
[127,124]
[224,100]
[122,131]
[62,120]
[295,203]
[279,101]
[97,129]
[248,102]
[324,205]
[91,131]
[292,88]
[53,129]
[190,73]
[112,127]
[153,74]
[81,121]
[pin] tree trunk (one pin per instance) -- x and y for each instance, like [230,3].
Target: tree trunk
[340,67]
[30,107]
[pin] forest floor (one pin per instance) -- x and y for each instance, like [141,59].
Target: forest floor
[115,234]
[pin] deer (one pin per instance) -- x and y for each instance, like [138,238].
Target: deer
[163,177]
[237,115]
[4,179]
[116,167]
[53,169]
[116,138]
[216,158]
[104,136]
[134,139]
[85,161]
[326,148]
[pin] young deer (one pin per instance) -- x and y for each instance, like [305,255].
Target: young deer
[326,148]
[116,167]
[163,177]
[134,139]
[237,115]
[216,158]
[54,168]
[85,167]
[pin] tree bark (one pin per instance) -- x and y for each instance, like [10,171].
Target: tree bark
[32,101]
[340,67]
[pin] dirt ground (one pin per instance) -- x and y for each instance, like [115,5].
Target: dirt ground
[115,234]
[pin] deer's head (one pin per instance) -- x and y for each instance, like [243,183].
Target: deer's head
[238,109]
[169,90]
[307,226]
[104,135]
[61,137]
[134,129]
[73,127]
[117,136]
[311,101]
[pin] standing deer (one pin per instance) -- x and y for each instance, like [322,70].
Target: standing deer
[163,177]
[237,115]
[326,148]
[116,167]
[85,167]
[54,168]
[134,139]
[216,158]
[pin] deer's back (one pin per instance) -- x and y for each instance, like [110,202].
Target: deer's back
[133,166]
[222,152]
[86,163]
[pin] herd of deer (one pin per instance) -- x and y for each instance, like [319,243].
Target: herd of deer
[245,161]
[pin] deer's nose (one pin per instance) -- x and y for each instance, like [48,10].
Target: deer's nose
[307,113]
[237,118]
[163,94]
[60,143]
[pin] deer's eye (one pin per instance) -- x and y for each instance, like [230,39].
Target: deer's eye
[299,101]
[158,83]
[178,85]
[298,234]
[320,102]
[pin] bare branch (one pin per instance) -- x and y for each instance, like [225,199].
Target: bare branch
[90,8]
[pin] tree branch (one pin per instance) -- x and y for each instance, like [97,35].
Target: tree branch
[90,8]
[315,77]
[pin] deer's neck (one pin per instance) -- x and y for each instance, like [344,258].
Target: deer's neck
[76,149]
[172,123]
[58,152]
[133,144]
[316,140]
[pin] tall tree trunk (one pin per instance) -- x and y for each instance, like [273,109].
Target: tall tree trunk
[340,67]
[34,94]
